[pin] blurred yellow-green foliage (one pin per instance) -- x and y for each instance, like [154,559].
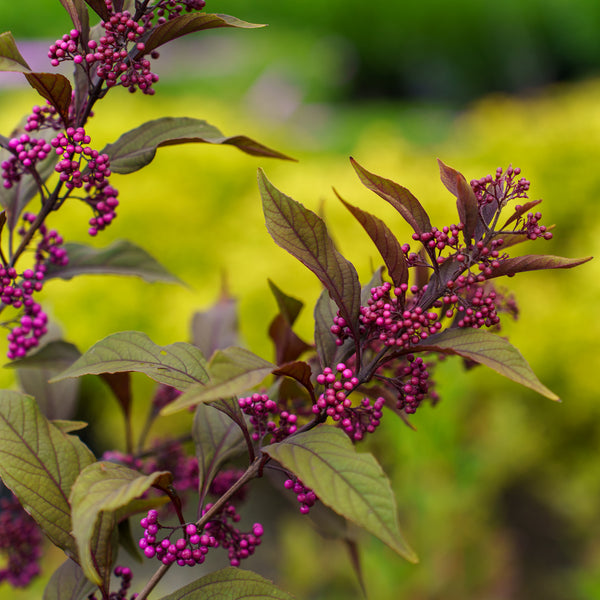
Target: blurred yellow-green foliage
[498,489]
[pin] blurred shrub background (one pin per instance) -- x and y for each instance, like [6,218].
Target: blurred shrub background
[498,489]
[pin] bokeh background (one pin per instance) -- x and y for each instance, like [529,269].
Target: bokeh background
[498,489]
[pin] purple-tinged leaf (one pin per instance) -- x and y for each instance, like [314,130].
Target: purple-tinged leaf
[55,355]
[288,346]
[120,386]
[300,371]
[324,339]
[217,439]
[536,262]
[304,235]
[178,365]
[105,487]
[388,246]
[190,23]
[230,583]
[399,197]
[217,327]
[99,7]
[10,57]
[351,483]
[103,549]
[448,175]
[56,89]
[120,258]
[375,281]
[79,15]
[523,209]
[137,148]
[232,371]
[289,307]
[40,463]
[487,349]
[68,582]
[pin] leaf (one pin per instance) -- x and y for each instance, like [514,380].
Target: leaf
[56,89]
[122,257]
[230,583]
[79,15]
[137,148]
[288,346]
[304,235]
[466,201]
[351,483]
[388,246]
[232,371]
[99,7]
[324,339]
[190,23]
[217,327]
[39,463]
[288,307]
[57,354]
[68,582]
[520,211]
[104,487]
[120,386]
[178,365]
[399,197]
[535,262]
[217,439]
[487,349]
[69,426]
[300,371]
[10,57]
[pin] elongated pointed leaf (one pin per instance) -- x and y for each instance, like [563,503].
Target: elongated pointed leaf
[523,209]
[69,426]
[68,582]
[99,7]
[487,349]
[57,354]
[39,463]
[56,89]
[536,262]
[79,15]
[190,23]
[217,327]
[388,246]
[349,482]
[468,207]
[105,487]
[230,584]
[137,148]
[10,57]
[122,257]
[298,370]
[399,197]
[288,346]
[289,307]
[217,439]
[304,235]
[178,365]
[324,339]
[232,371]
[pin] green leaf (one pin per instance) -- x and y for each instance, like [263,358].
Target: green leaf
[230,583]
[137,148]
[217,439]
[388,246]
[56,89]
[304,235]
[68,582]
[232,371]
[10,57]
[536,262]
[39,463]
[190,23]
[217,327]
[487,349]
[105,487]
[349,482]
[399,197]
[69,426]
[122,257]
[178,365]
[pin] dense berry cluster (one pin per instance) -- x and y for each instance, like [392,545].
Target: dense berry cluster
[20,543]
[192,547]
[305,496]
[411,382]
[260,408]
[335,403]
[501,188]
[27,153]
[164,10]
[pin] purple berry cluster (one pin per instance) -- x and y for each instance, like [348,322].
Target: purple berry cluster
[27,153]
[260,408]
[224,480]
[165,10]
[20,543]
[191,549]
[501,188]
[412,383]
[305,496]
